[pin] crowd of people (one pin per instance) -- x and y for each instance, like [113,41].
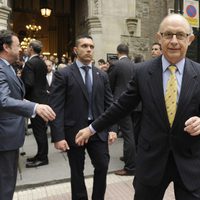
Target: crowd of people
[153,105]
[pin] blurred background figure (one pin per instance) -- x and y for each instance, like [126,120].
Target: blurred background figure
[119,76]
[25,56]
[156,50]
[49,75]
[138,58]
[34,77]
[103,65]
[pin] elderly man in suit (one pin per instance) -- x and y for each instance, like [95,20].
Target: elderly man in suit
[119,76]
[34,77]
[79,94]
[169,139]
[13,109]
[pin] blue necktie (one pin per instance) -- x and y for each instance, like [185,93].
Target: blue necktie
[88,84]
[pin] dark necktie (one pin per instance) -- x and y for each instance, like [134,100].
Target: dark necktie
[88,84]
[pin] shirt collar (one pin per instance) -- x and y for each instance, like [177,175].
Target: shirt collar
[33,56]
[180,65]
[5,61]
[124,56]
[80,64]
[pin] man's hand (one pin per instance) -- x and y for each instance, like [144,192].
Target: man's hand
[61,145]
[45,112]
[192,126]
[83,136]
[112,137]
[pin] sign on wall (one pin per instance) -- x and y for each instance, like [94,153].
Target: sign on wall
[191,12]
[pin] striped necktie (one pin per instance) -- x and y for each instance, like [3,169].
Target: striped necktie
[171,95]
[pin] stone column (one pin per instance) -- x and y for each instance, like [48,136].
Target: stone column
[4,14]
[108,21]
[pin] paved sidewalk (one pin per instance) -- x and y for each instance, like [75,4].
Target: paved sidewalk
[51,182]
[118,188]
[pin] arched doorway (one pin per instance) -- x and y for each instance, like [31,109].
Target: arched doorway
[57,31]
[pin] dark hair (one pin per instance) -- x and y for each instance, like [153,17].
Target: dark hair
[139,58]
[36,45]
[156,43]
[123,49]
[81,37]
[6,38]
[102,61]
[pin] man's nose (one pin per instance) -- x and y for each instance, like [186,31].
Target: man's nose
[174,39]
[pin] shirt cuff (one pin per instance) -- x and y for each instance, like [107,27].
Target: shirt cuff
[34,111]
[92,129]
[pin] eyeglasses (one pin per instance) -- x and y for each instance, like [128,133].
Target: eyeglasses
[179,35]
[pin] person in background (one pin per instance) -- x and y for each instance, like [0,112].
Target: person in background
[25,56]
[56,63]
[49,75]
[169,138]
[138,58]
[119,76]
[13,109]
[52,59]
[34,77]
[103,65]
[156,50]
[79,94]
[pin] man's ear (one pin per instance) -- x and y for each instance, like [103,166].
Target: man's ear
[6,47]
[75,50]
[158,37]
[191,38]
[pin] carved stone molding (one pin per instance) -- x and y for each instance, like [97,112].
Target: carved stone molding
[94,25]
[131,25]
[4,14]
[96,7]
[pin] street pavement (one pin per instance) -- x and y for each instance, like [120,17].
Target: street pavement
[52,181]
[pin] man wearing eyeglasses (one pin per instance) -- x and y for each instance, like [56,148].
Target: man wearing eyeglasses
[169,139]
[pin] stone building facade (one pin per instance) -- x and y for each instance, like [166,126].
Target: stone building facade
[110,22]
[133,22]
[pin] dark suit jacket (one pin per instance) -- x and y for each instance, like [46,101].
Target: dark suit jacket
[34,78]
[69,100]
[119,75]
[12,109]
[156,138]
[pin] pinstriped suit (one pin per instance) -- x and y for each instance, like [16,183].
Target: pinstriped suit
[12,127]
[158,143]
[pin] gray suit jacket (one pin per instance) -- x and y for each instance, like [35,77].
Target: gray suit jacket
[13,109]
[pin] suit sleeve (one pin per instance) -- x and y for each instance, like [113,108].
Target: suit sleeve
[57,101]
[112,77]
[11,101]
[122,107]
[28,78]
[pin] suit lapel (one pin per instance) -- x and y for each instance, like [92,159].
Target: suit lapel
[188,86]
[10,72]
[156,86]
[95,75]
[79,79]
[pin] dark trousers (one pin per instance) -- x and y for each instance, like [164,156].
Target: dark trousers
[129,151]
[145,192]
[99,155]
[39,127]
[8,173]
